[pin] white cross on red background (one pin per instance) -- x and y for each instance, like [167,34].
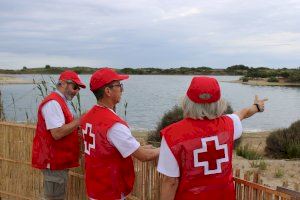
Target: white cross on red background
[89,138]
[211,155]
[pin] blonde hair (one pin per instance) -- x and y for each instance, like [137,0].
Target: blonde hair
[206,110]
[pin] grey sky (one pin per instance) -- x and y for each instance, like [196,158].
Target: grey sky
[156,33]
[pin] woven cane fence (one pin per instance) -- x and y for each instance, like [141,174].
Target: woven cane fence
[18,180]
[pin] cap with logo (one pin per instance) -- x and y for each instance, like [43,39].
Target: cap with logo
[104,76]
[204,90]
[73,76]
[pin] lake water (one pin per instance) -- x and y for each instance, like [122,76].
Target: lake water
[149,96]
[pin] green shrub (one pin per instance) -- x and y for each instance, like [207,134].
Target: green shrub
[245,79]
[260,164]
[294,77]
[170,117]
[248,153]
[272,79]
[284,143]
[278,173]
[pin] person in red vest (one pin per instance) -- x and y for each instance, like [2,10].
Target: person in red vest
[56,142]
[196,152]
[108,142]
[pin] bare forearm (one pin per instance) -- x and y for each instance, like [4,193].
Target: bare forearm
[169,188]
[247,112]
[146,154]
[65,130]
[258,106]
[152,154]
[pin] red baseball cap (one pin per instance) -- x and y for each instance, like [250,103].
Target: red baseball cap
[204,90]
[73,76]
[104,76]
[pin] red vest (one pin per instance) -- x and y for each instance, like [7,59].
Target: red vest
[107,173]
[62,153]
[203,150]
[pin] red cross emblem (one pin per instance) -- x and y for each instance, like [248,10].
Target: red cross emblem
[89,138]
[211,155]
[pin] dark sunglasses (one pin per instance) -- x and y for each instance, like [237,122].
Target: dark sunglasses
[74,85]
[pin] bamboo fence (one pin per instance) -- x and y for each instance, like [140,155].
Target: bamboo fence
[18,180]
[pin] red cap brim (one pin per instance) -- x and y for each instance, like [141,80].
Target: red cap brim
[121,77]
[80,84]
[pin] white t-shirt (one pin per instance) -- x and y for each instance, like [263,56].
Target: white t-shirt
[53,114]
[167,163]
[120,137]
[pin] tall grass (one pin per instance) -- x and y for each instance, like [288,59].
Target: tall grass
[248,153]
[2,114]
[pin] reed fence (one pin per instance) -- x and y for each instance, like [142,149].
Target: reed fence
[18,180]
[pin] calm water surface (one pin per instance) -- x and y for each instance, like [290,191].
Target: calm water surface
[149,96]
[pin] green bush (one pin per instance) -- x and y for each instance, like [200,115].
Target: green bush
[170,117]
[294,77]
[279,173]
[272,79]
[284,143]
[244,79]
[260,164]
[248,153]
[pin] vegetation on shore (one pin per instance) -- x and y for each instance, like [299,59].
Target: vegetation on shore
[285,143]
[290,75]
[283,75]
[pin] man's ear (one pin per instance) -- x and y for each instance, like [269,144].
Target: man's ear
[107,91]
[62,84]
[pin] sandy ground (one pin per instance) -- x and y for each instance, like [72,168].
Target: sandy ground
[275,173]
[11,79]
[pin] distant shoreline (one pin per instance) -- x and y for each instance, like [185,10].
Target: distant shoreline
[264,82]
[10,79]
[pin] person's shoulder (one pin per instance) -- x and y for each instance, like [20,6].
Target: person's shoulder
[51,104]
[233,117]
[120,127]
[173,126]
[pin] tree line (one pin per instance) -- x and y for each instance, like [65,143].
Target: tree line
[292,75]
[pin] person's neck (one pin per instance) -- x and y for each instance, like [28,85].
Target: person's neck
[106,103]
[61,91]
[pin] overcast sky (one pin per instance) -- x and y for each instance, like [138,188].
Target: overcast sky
[153,33]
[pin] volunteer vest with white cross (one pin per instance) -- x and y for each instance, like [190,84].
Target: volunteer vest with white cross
[203,150]
[107,173]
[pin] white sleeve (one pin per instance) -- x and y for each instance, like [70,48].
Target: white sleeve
[120,136]
[238,128]
[53,115]
[167,164]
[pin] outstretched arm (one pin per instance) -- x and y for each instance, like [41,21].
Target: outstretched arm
[258,106]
